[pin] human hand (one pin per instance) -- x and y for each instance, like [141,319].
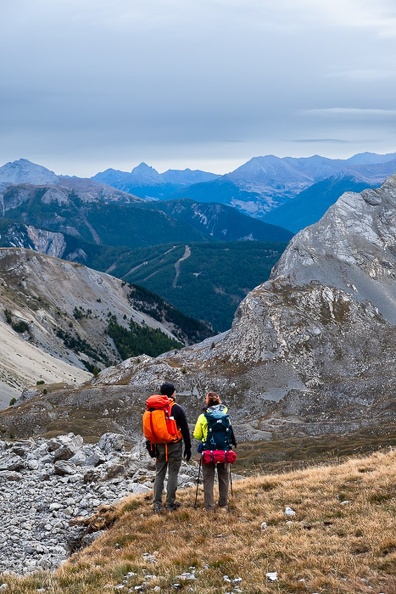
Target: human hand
[187,454]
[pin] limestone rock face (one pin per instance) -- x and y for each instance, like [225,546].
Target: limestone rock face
[353,248]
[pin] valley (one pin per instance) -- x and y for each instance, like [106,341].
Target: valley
[310,352]
[294,359]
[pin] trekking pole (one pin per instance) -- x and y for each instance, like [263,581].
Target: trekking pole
[199,472]
[232,492]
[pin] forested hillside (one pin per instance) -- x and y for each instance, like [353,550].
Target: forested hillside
[206,281]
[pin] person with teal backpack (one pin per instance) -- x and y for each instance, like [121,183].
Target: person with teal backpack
[214,431]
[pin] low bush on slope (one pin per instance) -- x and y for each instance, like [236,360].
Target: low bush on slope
[327,529]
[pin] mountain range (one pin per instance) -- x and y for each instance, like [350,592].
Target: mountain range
[87,221]
[310,352]
[290,193]
[84,221]
[260,186]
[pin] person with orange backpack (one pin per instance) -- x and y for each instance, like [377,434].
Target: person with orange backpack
[165,428]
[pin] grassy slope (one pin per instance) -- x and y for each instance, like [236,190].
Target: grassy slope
[341,540]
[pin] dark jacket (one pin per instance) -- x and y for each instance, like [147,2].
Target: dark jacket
[181,421]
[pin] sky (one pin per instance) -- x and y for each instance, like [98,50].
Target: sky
[87,85]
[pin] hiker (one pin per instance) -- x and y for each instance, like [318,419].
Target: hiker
[214,407]
[169,455]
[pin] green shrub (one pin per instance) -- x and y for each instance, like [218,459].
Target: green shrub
[20,326]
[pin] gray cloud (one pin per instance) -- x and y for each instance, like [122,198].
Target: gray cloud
[91,84]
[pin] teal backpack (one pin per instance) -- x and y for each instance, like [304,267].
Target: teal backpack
[220,431]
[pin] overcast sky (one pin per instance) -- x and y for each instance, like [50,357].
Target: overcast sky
[205,84]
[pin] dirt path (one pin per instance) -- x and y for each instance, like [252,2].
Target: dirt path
[92,231]
[147,262]
[187,254]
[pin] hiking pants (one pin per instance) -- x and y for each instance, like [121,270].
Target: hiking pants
[175,451]
[223,476]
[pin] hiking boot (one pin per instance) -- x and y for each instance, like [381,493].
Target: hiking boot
[209,510]
[157,509]
[173,506]
[223,509]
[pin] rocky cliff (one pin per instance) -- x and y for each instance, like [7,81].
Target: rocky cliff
[310,352]
[54,318]
[352,248]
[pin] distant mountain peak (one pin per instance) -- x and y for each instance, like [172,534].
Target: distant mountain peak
[24,171]
[146,170]
[371,158]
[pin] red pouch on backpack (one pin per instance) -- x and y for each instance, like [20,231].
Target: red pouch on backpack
[218,456]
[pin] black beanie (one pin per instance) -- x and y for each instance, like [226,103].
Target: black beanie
[167,389]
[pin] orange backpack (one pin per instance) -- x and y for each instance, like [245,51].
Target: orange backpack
[159,426]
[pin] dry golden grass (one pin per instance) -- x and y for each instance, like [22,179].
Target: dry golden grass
[342,539]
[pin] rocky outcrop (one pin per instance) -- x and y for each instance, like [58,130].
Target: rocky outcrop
[352,248]
[52,488]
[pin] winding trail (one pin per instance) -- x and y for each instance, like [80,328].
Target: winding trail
[131,270]
[93,232]
[187,254]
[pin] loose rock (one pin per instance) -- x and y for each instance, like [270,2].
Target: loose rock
[47,485]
